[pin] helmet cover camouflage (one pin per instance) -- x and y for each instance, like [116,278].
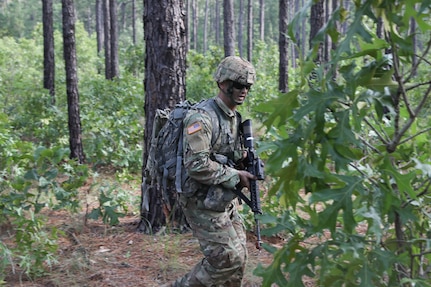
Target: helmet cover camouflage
[235,69]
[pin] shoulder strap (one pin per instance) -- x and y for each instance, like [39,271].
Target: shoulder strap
[214,111]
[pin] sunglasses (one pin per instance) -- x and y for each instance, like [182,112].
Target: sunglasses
[240,86]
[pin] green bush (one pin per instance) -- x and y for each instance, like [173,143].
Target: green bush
[32,180]
[350,155]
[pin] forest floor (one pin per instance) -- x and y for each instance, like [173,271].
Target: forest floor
[100,255]
[92,253]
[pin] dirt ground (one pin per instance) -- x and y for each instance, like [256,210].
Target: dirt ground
[100,255]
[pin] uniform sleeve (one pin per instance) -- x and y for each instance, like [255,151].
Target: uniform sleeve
[197,150]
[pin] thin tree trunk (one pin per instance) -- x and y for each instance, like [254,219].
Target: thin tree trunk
[99,25]
[122,23]
[217,23]
[107,43]
[283,46]
[88,26]
[262,19]
[75,138]
[206,26]
[195,24]
[316,22]
[229,29]
[134,21]
[240,26]
[303,33]
[250,30]
[327,45]
[48,49]
[414,42]
[115,69]
[294,49]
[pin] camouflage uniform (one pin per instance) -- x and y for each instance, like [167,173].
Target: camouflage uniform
[210,205]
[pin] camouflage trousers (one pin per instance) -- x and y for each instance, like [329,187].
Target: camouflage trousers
[222,239]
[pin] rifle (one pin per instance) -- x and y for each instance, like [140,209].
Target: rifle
[253,165]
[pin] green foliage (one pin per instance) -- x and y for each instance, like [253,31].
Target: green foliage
[17,18]
[113,204]
[112,117]
[351,159]
[30,181]
[35,247]
[134,60]
[200,71]
[111,112]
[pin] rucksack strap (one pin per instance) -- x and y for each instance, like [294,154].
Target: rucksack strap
[179,164]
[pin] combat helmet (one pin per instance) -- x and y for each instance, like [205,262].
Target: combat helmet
[235,69]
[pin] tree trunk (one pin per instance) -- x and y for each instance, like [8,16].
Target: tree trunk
[303,33]
[316,22]
[217,23]
[195,24]
[107,43]
[283,44]
[250,30]
[122,22]
[100,32]
[240,26]
[75,138]
[48,49]
[229,29]
[262,19]
[206,26]
[115,69]
[327,45]
[165,70]
[134,21]
[295,50]
[414,41]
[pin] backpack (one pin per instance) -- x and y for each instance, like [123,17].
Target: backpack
[165,158]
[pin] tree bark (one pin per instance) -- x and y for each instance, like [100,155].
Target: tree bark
[283,45]
[303,33]
[100,32]
[195,24]
[240,26]
[414,41]
[165,70]
[316,22]
[48,49]
[107,42]
[75,138]
[115,69]
[229,29]
[327,45]
[134,21]
[250,30]
[206,26]
[262,19]
[217,23]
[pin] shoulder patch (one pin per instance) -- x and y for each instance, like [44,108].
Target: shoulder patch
[194,127]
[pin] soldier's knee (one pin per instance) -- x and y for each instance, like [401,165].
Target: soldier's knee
[222,258]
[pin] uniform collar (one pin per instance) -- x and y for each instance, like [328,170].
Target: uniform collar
[224,108]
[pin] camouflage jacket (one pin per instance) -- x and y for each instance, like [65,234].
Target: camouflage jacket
[201,157]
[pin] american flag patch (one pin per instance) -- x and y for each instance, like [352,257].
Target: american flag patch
[195,127]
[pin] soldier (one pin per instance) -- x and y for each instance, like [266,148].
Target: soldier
[209,202]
